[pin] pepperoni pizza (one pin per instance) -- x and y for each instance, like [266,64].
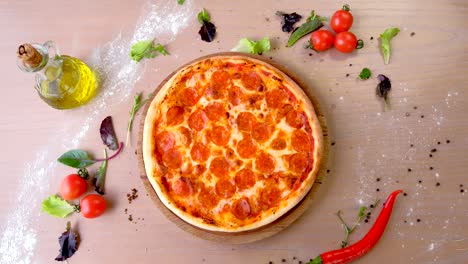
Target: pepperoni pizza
[230,143]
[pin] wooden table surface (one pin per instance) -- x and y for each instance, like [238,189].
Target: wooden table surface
[429,101]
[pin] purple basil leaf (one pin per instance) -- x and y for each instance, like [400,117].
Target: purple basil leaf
[108,134]
[207,31]
[68,241]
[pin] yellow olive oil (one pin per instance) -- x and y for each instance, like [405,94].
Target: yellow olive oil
[67,84]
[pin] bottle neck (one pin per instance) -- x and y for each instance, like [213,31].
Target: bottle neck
[32,57]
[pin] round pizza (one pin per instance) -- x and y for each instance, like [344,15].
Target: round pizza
[230,143]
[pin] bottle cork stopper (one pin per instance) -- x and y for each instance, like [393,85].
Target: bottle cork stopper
[29,55]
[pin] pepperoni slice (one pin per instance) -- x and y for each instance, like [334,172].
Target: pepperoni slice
[218,85]
[200,152]
[235,95]
[207,198]
[182,187]
[298,162]
[188,96]
[225,188]
[241,208]
[283,111]
[186,136]
[270,196]
[198,120]
[245,121]
[275,98]
[278,144]
[219,167]
[300,140]
[295,118]
[220,135]
[261,132]
[245,179]
[172,158]
[164,141]
[175,115]
[252,81]
[215,111]
[246,148]
[265,163]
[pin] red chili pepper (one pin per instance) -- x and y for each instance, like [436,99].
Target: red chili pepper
[360,248]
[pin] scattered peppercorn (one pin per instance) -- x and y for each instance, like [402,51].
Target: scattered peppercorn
[350,65]
[412,34]
[415,107]
[409,170]
[368,213]
[419,181]
[283,260]
[328,171]
[371,38]
[310,54]
[405,221]
[271,262]
[438,142]
[462,190]
[366,221]
[347,75]
[433,150]
[438,184]
[405,194]
[418,220]
[300,261]
[461,185]
[294,257]
[430,155]
[132,196]
[448,141]
[422,116]
[378,189]
[378,179]
[431,168]
[411,145]
[333,143]
[130,218]
[371,206]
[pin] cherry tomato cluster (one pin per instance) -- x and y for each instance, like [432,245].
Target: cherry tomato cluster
[74,186]
[344,41]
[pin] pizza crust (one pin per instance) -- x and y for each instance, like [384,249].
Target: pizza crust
[150,162]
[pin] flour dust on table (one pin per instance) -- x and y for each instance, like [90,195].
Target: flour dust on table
[163,20]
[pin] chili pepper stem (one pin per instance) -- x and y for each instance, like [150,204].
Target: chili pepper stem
[317,260]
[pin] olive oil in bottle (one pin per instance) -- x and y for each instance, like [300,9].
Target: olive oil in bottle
[62,81]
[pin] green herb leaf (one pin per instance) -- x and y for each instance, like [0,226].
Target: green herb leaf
[365,74]
[137,104]
[100,178]
[362,211]
[203,16]
[146,49]
[312,23]
[180,2]
[56,206]
[255,47]
[76,158]
[385,39]
[69,241]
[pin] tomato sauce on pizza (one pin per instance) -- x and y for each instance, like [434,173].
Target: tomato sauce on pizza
[231,143]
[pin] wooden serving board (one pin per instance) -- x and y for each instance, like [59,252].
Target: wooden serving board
[251,235]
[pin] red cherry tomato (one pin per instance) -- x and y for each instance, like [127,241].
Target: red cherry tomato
[322,40]
[345,42]
[72,187]
[92,205]
[341,21]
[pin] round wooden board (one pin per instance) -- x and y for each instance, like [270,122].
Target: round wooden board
[251,235]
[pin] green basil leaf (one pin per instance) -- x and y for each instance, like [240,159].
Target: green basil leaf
[306,28]
[160,48]
[180,2]
[385,39]
[146,49]
[203,16]
[362,211]
[76,158]
[100,178]
[56,206]
[365,74]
